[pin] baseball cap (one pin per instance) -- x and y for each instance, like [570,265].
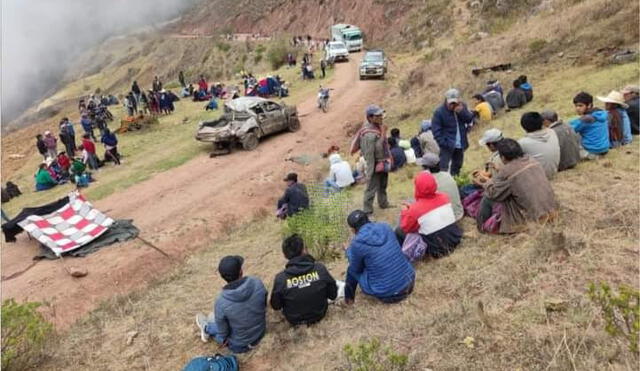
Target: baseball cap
[428,160]
[374,110]
[230,267]
[631,89]
[291,177]
[490,136]
[452,96]
[357,219]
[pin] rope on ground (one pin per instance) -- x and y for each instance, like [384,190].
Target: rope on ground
[155,247]
[19,273]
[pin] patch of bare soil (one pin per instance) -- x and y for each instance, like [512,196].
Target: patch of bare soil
[185,209]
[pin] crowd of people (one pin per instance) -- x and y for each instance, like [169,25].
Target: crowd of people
[501,198]
[71,163]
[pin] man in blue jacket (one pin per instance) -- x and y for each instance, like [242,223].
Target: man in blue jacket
[376,262]
[592,125]
[239,313]
[449,126]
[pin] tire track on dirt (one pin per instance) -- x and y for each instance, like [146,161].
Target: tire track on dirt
[187,207]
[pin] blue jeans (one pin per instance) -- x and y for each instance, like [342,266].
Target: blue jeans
[453,156]
[212,330]
[331,187]
[351,283]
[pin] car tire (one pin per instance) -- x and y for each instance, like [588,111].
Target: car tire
[294,124]
[250,141]
[361,77]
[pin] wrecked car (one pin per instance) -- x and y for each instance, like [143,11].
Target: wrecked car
[245,121]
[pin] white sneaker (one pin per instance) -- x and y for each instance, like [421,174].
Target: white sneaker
[340,295]
[201,321]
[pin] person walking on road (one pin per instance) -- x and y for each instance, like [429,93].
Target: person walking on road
[371,141]
[449,126]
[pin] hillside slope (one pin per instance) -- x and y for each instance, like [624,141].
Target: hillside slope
[497,302]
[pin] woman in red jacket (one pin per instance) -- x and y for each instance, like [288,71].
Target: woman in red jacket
[431,216]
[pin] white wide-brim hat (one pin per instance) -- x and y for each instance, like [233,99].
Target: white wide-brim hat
[614,97]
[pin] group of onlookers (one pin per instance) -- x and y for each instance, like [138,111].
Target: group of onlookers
[70,164]
[512,190]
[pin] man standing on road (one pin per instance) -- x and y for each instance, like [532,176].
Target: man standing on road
[449,125]
[372,142]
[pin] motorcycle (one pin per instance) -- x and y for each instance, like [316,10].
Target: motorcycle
[323,99]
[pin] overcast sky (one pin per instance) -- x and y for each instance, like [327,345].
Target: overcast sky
[41,37]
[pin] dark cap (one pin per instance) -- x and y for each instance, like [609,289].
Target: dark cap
[230,267]
[357,219]
[293,177]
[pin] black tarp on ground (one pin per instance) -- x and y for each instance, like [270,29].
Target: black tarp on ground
[11,228]
[121,230]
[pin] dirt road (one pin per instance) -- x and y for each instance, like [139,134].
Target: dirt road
[186,208]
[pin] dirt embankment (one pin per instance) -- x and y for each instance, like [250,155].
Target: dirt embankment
[377,19]
[186,208]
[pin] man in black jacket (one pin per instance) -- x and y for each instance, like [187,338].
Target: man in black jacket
[303,288]
[295,197]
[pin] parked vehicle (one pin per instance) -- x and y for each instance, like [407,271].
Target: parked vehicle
[350,35]
[373,64]
[245,121]
[336,51]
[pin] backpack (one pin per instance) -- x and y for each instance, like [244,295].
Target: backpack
[471,203]
[492,225]
[216,362]
[414,247]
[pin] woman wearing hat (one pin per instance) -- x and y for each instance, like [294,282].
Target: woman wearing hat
[619,123]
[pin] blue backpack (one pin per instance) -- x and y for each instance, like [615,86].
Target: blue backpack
[217,362]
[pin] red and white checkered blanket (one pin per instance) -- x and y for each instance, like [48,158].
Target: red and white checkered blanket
[72,226]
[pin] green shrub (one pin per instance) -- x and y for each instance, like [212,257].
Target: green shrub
[323,226]
[172,85]
[462,179]
[24,332]
[370,356]
[223,46]
[537,45]
[277,53]
[621,311]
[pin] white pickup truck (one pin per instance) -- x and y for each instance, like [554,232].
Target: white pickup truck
[336,51]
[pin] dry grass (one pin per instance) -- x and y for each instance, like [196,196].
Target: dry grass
[493,289]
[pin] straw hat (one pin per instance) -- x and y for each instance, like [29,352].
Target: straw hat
[614,97]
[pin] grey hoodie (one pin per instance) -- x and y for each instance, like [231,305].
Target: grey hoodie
[240,312]
[543,146]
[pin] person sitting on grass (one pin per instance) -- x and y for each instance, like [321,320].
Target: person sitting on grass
[568,140]
[43,178]
[397,154]
[516,97]
[540,143]
[79,176]
[432,216]
[424,142]
[340,174]
[521,188]
[238,320]
[303,288]
[376,262]
[592,127]
[619,123]
[295,198]
[526,87]
[482,109]
[212,105]
[444,180]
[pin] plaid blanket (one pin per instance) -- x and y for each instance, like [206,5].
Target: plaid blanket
[70,227]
